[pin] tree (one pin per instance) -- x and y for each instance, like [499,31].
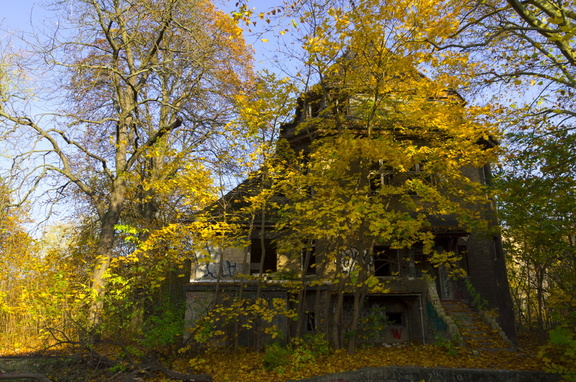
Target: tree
[33,293]
[237,217]
[383,106]
[537,207]
[139,89]
[552,20]
[515,40]
[526,52]
[524,55]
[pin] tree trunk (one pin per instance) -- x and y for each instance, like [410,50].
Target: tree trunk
[103,257]
[302,293]
[337,321]
[354,324]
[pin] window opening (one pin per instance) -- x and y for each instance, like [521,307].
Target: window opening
[308,258]
[394,318]
[269,254]
[385,261]
[381,175]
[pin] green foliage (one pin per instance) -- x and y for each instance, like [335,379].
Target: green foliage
[562,337]
[299,353]
[164,327]
[537,205]
[276,357]
[447,344]
[478,302]
[559,355]
[205,331]
[131,234]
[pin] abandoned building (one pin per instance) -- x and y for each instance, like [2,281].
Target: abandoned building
[409,306]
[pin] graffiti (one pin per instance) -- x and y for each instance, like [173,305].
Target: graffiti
[211,270]
[396,333]
[351,257]
[210,265]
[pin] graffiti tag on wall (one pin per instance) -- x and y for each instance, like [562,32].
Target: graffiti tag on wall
[352,257]
[211,270]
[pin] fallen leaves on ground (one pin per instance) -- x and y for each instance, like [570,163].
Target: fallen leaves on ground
[247,366]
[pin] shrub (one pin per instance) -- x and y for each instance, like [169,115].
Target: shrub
[300,352]
[559,355]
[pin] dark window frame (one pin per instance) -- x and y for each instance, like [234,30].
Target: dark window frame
[270,256]
[309,247]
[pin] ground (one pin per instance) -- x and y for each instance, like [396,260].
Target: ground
[247,366]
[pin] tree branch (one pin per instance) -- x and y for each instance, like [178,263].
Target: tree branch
[152,140]
[554,36]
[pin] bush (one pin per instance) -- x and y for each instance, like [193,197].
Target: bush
[164,327]
[300,352]
[559,355]
[276,357]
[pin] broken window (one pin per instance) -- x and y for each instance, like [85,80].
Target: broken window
[385,261]
[263,251]
[394,319]
[308,257]
[381,175]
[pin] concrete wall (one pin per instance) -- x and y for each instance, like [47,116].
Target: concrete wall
[416,374]
[207,265]
[384,318]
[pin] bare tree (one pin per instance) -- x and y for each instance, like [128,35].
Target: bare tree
[136,89]
[524,48]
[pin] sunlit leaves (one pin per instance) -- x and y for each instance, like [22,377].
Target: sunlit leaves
[142,94]
[367,109]
[40,282]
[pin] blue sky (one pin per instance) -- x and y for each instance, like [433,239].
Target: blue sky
[20,14]
[17,13]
